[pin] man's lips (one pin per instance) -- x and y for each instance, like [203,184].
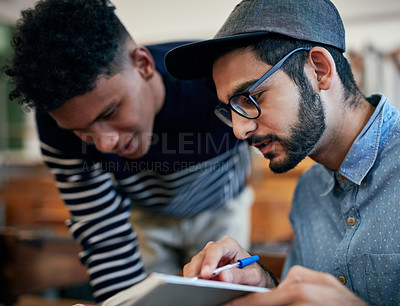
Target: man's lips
[127,148]
[265,146]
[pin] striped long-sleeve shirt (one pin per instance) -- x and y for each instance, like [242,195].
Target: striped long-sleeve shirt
[194,163]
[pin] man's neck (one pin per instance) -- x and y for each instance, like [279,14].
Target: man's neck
[340,137]
[158,88]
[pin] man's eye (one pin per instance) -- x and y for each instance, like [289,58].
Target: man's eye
[110,113]
[256,96]
[248,101]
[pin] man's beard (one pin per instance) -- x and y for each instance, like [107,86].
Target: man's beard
[305,133]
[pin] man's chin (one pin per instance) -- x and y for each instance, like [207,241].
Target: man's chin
[282,165]
[135,155]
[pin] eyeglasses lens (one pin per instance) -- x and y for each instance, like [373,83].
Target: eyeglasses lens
[245,106]
[224,115]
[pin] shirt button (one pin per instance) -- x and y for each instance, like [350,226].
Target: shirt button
[342,279]
[351,221]
[364,184]
[342,178]
[339,190]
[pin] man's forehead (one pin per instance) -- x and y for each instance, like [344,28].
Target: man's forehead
[81,111]
[235,69]
[73,114]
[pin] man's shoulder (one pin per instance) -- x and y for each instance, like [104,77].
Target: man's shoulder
[316,174]
[159,50]
[168,45]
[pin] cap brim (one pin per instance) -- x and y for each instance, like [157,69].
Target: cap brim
[194,60]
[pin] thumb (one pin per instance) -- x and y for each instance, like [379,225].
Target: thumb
[250,275]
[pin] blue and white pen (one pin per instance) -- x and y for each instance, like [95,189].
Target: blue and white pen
[241,263]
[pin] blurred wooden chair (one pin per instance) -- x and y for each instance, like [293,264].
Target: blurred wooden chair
[34,261]
[271,233]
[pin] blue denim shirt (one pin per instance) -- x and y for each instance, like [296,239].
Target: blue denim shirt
[347,222]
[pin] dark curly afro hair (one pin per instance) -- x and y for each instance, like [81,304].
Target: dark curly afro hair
[61,48]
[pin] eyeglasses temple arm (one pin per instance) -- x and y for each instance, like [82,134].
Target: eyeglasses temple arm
[275,68]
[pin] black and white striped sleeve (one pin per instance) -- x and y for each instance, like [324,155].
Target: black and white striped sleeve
[99,222]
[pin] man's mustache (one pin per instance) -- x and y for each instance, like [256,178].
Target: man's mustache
[258,139]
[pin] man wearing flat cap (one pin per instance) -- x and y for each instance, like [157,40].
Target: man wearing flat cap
[285,86]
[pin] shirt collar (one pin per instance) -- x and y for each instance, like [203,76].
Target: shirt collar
[364,150]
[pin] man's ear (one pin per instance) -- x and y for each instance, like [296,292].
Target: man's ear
[323,65]
[144,62]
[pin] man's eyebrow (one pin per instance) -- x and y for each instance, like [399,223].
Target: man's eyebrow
[110,106]
[241,88]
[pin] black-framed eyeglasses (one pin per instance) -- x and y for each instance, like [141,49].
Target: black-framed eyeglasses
[243,103]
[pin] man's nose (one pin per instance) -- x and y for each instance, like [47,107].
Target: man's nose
[243,128]
[104,141]
[107,141]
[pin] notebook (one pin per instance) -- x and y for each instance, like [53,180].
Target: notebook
[171,290]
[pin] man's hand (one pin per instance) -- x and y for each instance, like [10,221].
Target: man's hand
[303,287]
[226,251]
